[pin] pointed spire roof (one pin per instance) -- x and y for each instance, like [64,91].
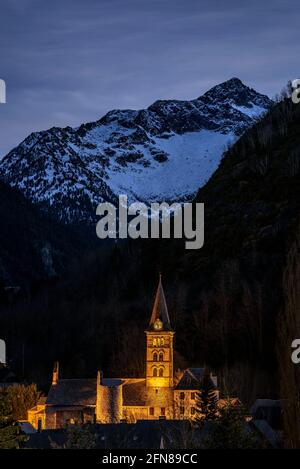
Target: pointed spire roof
[160,310]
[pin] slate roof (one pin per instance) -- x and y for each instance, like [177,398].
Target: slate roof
[45,439]
[73,392]
[83,392]
[192,379]
[160,310]
[269,410]
[26,427]
[145,434]
[136,393]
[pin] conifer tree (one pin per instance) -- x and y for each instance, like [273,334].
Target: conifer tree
[206,400]
[229,430]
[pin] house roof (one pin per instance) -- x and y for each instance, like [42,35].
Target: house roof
[269,410]
[26,427]
[192,379]
[69,392]
[143,434]
[160,309]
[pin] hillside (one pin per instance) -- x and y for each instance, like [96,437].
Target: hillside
[33,248]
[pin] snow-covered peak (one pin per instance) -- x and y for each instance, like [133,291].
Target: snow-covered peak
[164,152]
[234,93]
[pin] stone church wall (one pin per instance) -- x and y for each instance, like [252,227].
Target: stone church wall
[109,407]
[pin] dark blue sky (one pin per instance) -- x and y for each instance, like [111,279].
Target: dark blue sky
[70,61]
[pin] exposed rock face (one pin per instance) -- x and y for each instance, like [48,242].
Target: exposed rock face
[164,152]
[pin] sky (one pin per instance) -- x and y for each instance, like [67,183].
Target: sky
[66,62]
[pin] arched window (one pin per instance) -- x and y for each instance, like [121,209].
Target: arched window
[155,357]
[161,357]
[155,372]
[154,343]
[161,372]
[159,341]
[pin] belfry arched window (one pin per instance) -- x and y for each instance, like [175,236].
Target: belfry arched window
[161,372]
[155,372]
[159,341]
[155,357]
[161,357]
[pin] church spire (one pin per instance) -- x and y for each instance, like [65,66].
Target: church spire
[160,316]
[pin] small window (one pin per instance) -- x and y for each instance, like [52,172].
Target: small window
[154,342]
[155,372]
[162,341]
[155,357]
[151,410]
[161,372]
[181,395]
[161,357]
[193,411]
[163,411]
[181,410]
[193,395]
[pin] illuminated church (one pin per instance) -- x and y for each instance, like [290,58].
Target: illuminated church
[110,400]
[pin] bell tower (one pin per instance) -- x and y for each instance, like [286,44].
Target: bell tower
[159,336]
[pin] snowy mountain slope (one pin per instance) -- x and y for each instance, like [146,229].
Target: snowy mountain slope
[165,152]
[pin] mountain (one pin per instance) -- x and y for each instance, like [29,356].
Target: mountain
[164,152]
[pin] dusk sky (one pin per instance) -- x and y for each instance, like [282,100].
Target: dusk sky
[68,61]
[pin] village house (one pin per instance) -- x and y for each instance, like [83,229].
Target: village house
[111,400]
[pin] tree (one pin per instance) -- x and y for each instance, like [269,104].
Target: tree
[87,437]
[206,400]
[229,431]
[9,431]
[22,398]
[78,437]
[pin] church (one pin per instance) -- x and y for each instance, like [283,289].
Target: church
[117,400]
